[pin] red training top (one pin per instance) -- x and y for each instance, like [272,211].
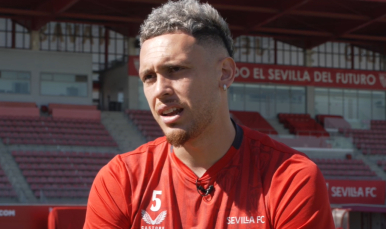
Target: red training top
[258,183]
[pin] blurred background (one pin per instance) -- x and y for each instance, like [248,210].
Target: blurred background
[311,74]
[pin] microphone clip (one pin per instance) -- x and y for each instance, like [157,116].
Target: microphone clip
[202,191]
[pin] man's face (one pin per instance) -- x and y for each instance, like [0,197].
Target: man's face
[181,85]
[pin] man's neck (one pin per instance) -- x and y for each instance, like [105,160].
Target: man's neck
[201,153]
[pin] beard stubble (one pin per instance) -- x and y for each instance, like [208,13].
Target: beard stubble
[200,121]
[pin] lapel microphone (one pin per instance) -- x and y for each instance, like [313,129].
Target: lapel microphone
[202,191]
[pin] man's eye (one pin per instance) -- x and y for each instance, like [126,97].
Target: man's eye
[175,69]
[147,77]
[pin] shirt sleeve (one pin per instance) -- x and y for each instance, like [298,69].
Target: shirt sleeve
[298,196]
[108,204]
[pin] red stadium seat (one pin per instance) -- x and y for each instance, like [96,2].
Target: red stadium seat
[21,130]
[345,169]
[302,124]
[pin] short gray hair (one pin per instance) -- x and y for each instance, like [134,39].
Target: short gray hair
[201,21]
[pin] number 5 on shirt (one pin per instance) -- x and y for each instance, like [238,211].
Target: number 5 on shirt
[157,205]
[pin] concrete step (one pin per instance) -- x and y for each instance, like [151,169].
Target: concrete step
[372,164]
[123,130]
[15,176]
[64,148]
[278,126]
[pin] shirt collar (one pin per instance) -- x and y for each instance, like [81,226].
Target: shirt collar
[238,136]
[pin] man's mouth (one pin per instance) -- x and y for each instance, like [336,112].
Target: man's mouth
[172,111]
[170,115]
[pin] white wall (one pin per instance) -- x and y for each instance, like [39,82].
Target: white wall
[134,92]
[310,100]
[115,81]
[36,62]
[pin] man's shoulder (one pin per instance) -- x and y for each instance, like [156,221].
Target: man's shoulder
[267,143]
[276,154]
[150,151]
[156,146]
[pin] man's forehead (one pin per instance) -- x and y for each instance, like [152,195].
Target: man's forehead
[155,51]
[168,46]
[167,41]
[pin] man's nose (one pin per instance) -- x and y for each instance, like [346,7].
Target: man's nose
[163,86]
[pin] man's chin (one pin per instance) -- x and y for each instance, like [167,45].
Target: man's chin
[177,137]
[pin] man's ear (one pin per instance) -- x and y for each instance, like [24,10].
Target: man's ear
[228,71]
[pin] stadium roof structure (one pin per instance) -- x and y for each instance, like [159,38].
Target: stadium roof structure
[303,23]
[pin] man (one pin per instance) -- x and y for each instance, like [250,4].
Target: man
[207,172]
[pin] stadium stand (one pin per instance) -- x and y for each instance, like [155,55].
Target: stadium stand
[320,118]
[19,111]
[371,141]
[254,121]
[145,122]
[17,104]
[333,122]
[302,124]
[378,125]
[69,111]
[60,174]
[59,113]
[51,106]
[49,131]
[345,169]
[6,190]
[382,163]
[304,141]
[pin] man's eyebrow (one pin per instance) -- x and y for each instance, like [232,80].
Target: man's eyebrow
[145,72]
[175,64]
[165,66]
